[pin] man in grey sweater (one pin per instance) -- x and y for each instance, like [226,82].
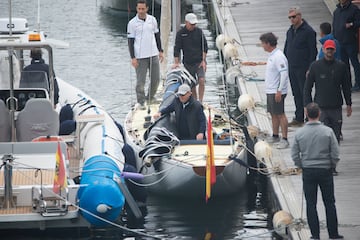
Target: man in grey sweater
[316,152]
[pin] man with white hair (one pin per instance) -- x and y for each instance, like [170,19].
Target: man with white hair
[192,42]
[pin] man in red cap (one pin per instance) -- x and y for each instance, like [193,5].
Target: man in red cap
[332,81]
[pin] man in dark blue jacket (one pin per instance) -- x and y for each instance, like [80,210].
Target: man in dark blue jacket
[189,114]
[300,50]
[346,22]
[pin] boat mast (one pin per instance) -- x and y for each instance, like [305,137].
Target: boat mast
[38,16]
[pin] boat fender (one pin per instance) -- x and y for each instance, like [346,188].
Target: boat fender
[230,51]
[129,155]
[222,40]
[67,127]
[66,113]
[246,102]
[281,221]
[262,150]
[100,189]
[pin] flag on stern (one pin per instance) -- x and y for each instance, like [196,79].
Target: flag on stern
[210,165]
[60,181]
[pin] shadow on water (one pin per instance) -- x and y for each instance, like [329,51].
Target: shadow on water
[115,21]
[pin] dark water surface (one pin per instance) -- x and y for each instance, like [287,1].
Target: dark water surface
[98,63]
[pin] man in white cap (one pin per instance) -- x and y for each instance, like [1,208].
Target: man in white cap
[191,40]
[189,114]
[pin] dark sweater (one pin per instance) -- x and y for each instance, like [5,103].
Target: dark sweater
[190,120]
[300,46]
[332,82]
[192,43]
[349,13]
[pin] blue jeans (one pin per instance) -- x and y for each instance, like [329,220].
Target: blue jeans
[350,52]
[312,178]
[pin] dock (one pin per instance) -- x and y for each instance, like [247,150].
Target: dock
[245,21]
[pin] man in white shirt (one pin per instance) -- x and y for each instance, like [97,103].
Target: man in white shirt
[276,82]
[145,51]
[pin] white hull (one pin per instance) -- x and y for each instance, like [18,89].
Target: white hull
[27,179]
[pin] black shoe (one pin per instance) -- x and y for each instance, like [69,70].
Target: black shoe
[314,238]
[334,172]
[336,237]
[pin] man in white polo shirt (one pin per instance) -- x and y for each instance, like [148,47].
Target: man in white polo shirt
[276,82]
[145,51]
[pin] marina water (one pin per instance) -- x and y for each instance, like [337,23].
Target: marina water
[98,63]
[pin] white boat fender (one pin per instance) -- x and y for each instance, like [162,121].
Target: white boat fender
[222,40]
[281,221]
[262,150]
[246,102]
[230,51]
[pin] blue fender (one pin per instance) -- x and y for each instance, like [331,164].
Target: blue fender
[99,192]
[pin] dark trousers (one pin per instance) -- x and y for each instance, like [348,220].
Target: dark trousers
[350,52]
[312,178]
[297,77]
[332,117]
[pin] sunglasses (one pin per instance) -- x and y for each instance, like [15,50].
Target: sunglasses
[292,17]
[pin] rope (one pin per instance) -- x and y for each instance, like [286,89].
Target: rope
[137,232]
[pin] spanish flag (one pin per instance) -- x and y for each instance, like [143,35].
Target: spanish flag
[60,181]
[210,165]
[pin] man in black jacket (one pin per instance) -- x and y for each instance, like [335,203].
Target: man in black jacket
[191,40]
[346,22]
[300,50]
[332,81]
[38,65]
[189,114]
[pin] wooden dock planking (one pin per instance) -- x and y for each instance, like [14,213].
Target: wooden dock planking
[246,22]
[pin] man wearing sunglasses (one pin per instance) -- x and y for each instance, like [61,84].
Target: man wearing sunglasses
[300,50]
[189,115]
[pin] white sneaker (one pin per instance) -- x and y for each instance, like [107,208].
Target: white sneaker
[282,144]
[271,139]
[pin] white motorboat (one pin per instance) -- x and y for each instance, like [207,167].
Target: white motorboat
[176,167]
[49,180]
